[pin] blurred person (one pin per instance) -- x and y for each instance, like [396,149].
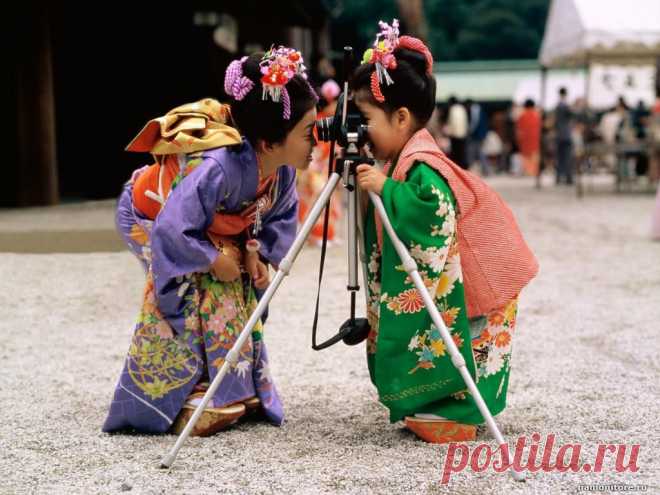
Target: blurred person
[325,69]
[564,143]
[579,132]
[436,126]
[312,180]
[612,122]
[477,133]
[512,162]
[548,148]
[639,121]
[626,134]
[496,141]
[492,149]
[654,144]
[457,129]
[528,136]
[656,106]
[608,129]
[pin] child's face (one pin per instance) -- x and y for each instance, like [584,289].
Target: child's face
[387,133]
[296,149]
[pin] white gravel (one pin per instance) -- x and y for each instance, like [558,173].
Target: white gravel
[585,368]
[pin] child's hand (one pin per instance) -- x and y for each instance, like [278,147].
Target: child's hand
[370,178]
[257,270]
[225,268]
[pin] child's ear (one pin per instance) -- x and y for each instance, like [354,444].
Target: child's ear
[263,146]
[403,118]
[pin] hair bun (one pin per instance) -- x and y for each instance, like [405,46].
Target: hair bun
[418,46]
[414,60]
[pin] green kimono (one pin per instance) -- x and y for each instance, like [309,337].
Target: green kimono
[408,361]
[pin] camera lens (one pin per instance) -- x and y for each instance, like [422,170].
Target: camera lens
[324,129]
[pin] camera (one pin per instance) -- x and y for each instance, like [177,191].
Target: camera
[347,126]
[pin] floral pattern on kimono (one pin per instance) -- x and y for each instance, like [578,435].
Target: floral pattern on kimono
[189,319]
[408,360]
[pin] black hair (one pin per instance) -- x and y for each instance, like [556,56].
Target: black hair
[257,118]
[413,87]
[562,91]
[529,103]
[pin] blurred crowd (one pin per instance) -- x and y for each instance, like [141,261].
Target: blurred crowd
[518,140]
[521,139]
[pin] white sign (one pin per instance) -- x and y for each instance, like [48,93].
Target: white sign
[634,83]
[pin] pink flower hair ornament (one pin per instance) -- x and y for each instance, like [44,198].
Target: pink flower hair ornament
[278,66]
[382,55]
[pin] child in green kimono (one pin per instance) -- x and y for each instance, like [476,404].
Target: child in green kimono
[456,228]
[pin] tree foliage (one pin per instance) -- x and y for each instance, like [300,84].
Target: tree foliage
[458,29]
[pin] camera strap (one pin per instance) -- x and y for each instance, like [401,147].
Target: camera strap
[326,220]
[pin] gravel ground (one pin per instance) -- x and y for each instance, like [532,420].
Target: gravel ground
[585,369]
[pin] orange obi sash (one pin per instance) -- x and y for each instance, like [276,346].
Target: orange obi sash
[152,187]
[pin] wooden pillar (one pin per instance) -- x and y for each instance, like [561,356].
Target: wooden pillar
[587,80]
[579,186]
[35,120]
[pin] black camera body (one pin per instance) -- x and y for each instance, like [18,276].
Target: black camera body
[348,126]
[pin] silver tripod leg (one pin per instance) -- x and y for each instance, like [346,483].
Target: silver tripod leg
[234,353]
[361,246]
[410,266]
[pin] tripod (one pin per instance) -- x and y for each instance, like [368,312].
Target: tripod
[346,169]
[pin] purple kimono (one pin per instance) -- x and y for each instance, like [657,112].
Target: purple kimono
[133,226]
[189,319]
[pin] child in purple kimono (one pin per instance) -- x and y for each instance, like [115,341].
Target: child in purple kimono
[231,211]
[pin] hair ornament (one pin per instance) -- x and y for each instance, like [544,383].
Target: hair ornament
[382,56]
[236,84]
[278,66]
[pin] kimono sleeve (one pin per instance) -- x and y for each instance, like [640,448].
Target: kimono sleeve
[180,245]
[423,215]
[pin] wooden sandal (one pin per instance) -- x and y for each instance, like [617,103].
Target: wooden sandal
[253,404]
[441,431]
[212,420]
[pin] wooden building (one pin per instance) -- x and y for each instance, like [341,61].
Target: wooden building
[84,78]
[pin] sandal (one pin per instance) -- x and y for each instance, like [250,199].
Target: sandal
[212,420]
[253,404]
[441,430]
